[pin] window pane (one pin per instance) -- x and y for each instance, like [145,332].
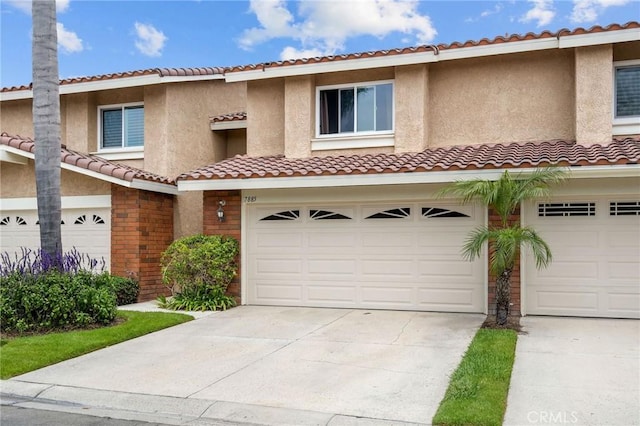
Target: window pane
[328,111]
[366,109]
[134,126]
[384,107]
[112,128]
[346,110]
[628,91]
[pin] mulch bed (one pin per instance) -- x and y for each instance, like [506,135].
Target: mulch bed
[513,323]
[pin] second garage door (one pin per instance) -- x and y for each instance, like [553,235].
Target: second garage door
[400,256]
[595,271]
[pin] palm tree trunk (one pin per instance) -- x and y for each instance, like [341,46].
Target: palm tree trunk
[503,296]
[46,126]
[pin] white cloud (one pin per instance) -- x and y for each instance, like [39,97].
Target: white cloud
[322,27]
[68,41]
[485,13]
[589,10]
[25,5]
[290,52]
[150,41]
[542,11]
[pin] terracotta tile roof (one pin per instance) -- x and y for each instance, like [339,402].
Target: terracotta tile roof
[437,48]
[162,72]
[234,116]
[469,157]
[89,162]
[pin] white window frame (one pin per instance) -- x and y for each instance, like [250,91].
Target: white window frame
[118,153]
[364,139]
[623,125]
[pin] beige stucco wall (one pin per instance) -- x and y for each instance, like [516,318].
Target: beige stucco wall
[593,94]
[411,108]
[508,98]
[236,142]
[347,77]
[299,110]
[265,117]
[16,118]
[18,181]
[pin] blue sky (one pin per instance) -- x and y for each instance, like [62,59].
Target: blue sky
[100,37]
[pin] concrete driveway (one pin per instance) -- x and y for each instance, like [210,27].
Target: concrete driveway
[576,371]
[273,365]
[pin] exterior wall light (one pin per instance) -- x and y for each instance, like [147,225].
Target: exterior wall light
[221,204]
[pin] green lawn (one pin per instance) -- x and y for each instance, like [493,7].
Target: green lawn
[477,393]
[23,354]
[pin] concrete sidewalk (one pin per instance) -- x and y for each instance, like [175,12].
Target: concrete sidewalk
[265,365]
[577,371]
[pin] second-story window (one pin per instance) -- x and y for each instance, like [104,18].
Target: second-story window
[365,108]
[121,126]
[626,101]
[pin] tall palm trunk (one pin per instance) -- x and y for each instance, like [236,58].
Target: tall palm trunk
[503,296]
[46,125]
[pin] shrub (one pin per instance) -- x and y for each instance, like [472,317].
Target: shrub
[126,289]
[54,300]
[198,270]
[200,260]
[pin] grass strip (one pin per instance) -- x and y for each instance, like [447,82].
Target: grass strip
[20,355]
[477,393]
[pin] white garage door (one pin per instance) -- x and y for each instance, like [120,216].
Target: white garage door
[596,258]
[401,256]
[88,230]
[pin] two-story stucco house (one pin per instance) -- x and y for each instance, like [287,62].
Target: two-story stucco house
[333,195]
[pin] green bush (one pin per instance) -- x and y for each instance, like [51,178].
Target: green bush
[126,289]
[54,300]
[198,270]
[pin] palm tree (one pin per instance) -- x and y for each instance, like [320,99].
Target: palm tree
[46,126]
[504,196]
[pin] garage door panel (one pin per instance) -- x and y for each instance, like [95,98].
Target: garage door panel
[275,292]
[332,267]
[321,239]
[462,300]
[278,266]
[439,267]
[270,240]
[575,269]
[626,271]
[338,292]
[383,296]
[376,269]
[562,297]
[376,239]
[623,302]
[624,239]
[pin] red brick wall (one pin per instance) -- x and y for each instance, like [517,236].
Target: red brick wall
[141,229]
[231,225]
[494,220]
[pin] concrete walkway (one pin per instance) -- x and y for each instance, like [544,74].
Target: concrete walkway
[576,371]
[265,365]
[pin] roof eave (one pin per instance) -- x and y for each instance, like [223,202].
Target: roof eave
[560,42]
[114,83]
[134,183]
[446,176]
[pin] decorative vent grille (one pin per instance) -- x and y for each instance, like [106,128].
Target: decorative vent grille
[326,215]
[437,212]
[566,209]
[624,208]
[5,220]
[80,220]
[98,220]
[20,220]
[392,214]
[286,215]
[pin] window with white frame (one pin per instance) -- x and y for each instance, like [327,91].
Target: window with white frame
[355,109]
[626,103]
[121,126]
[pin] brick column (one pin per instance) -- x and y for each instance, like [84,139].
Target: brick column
[231,225]
[141,229]
[494,221]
